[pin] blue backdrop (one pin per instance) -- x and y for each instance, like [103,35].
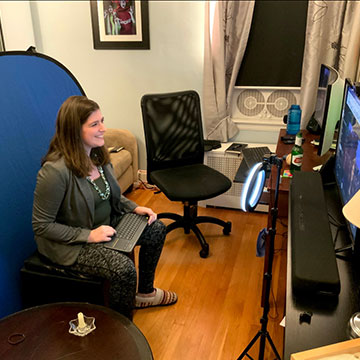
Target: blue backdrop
[32,88]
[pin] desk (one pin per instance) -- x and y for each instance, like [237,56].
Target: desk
[310,160]
[46,330]
[330,314]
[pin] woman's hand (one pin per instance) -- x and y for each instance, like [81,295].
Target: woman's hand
[101,234]
[141,210]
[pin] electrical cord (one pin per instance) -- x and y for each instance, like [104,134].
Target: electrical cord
[283,235]
[148,186]
[274,317]
[335,222]
[284,224]
[339,226]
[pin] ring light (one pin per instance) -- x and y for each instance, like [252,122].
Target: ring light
[253,187]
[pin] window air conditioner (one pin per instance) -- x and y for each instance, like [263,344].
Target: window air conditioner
[262,104]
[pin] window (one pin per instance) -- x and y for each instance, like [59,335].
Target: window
[275,48]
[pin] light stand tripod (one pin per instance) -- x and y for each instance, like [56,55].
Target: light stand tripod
[263,334]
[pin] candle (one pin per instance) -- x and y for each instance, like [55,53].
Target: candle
[81,321]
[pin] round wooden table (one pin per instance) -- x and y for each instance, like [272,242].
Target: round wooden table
[42,333]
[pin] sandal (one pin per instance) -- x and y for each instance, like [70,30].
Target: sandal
[161,298]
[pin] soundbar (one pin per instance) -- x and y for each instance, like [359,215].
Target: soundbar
[313,261]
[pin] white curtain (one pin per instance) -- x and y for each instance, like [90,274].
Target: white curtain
[349,63]
[332,38]
[227,27]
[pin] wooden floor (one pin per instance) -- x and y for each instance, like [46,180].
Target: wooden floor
[219,306]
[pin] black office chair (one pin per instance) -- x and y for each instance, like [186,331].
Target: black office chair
[175,155]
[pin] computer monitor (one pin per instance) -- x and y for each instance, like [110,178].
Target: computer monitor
[328,105]
[347,158]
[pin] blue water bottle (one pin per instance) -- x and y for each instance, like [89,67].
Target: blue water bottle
[293,120]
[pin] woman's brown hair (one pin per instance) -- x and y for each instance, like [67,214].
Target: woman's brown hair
[67,141]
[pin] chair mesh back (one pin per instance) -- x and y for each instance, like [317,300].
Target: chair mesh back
[173,130]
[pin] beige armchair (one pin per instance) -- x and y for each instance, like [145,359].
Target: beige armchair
[125,162]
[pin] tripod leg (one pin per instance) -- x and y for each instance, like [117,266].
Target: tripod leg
[263,336]
[273,346]
[251,343]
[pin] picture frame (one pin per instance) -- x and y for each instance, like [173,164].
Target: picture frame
[120,24]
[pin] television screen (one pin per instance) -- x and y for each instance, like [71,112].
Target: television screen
[321,94]
[328,105]
[347,160]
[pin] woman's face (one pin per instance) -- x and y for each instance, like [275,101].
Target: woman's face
[92,131]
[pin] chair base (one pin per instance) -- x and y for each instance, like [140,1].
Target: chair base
[189,222]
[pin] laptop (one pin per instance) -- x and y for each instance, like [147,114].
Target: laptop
[251,156]
[128,232]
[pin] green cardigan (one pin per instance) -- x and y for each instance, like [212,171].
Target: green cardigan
[63,210]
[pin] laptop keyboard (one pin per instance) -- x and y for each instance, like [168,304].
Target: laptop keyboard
[128,232]
[253,155]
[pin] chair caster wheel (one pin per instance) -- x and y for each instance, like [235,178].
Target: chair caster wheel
[204,252]
[227,228]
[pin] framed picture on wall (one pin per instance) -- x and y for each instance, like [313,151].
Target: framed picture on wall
[120,24]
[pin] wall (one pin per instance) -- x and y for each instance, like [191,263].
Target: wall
[16,15]
[116,79]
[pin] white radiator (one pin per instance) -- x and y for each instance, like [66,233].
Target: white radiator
[228,165]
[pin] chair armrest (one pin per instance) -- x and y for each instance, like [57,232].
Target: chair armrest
[125,138]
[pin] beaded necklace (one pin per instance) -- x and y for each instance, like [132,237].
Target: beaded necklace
[103,196]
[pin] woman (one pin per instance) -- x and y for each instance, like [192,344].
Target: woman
[77,203]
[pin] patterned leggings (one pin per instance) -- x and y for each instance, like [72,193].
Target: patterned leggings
[118,268]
